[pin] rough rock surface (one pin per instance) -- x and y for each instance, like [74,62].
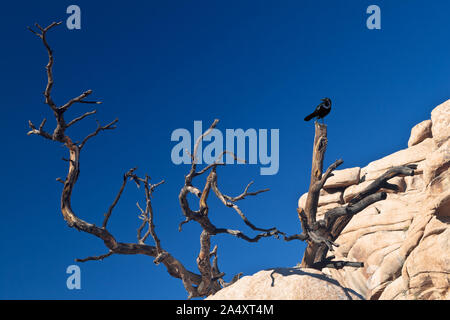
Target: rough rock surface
[414,154]
[404,241]
[286,284]
[326,197]
[343,178]
[420,132]
[440,118]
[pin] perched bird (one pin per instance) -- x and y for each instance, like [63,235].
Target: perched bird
[321,111]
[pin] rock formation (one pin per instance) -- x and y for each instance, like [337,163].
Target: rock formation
[403,240]
[286,284]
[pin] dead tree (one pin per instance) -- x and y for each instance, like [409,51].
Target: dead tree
[209,279]
[320,235]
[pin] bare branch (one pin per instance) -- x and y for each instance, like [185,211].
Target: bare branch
[154,186]
[212,165]
[199,139]
[320,144]
[78,99]
[111,208]
[48,89]
[217,163]
[204,265]
[224,199]
[381,181]
[109,126]
[41,126]
[241,235]
[352,209]
[245,193]
[144,217]
[233,280]
[337,264]
[149,214]
[192,172]
[81,117]
[329,171]
[301,237]
[96,258]
[40,131]
[34,32]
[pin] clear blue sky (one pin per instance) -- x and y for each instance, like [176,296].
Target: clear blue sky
[160,65]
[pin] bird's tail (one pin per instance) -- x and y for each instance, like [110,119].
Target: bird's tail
[312,115]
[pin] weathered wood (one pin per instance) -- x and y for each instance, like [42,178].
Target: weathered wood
[315,237]
[319,148]
[320,235]
[381,182]
[210,279]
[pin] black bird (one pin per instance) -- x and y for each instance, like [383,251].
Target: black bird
[321,111]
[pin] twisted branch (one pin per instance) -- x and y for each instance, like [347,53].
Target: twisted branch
[173,266]
[210,279]
[321,235]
